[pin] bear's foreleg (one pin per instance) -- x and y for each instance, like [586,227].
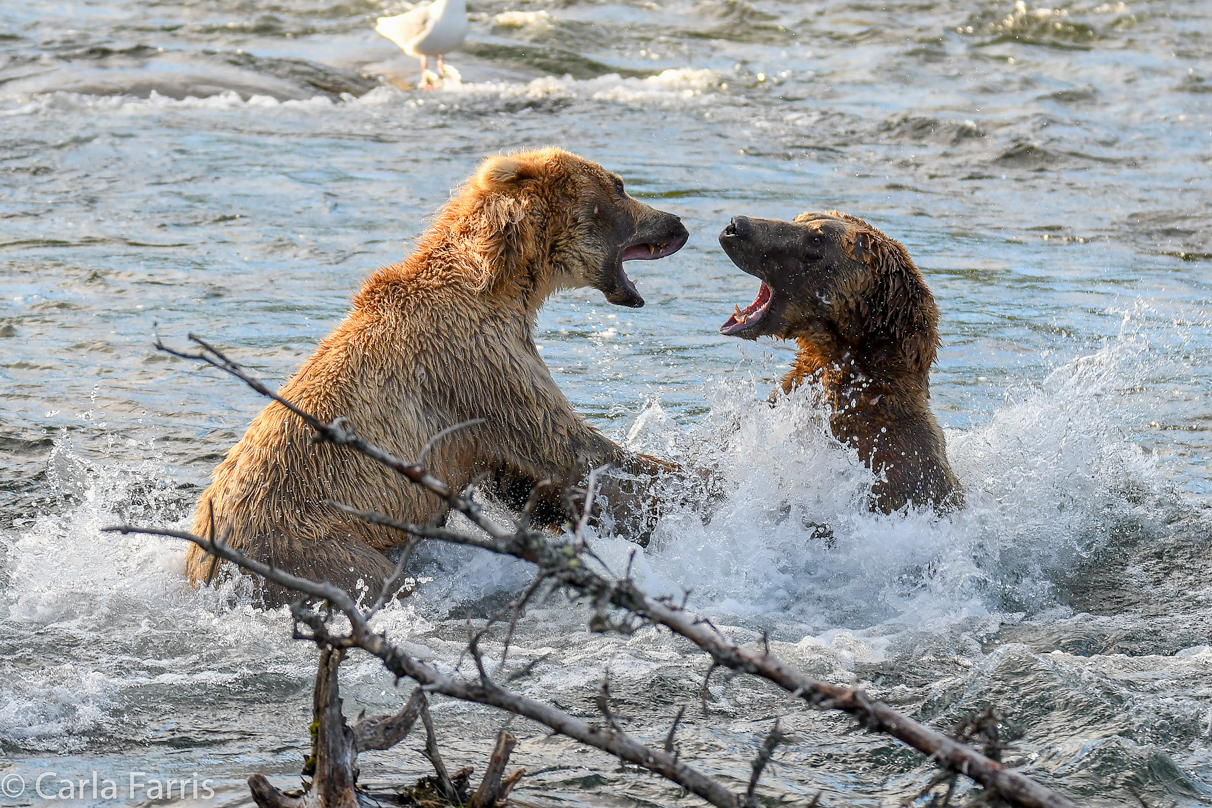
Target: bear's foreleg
[630,494]
[347,563]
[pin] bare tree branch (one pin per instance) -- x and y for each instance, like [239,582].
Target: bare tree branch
[703,688]
[385,731]
[334,750]
[489,792]
[590,490]
[507,785]
[562,562]
[339,431]
[527,669]
[431,753]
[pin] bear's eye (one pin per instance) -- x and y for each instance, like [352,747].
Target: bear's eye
[618,186]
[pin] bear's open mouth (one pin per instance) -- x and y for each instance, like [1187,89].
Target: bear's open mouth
[625,293]
[749,318]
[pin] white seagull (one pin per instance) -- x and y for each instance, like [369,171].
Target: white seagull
[430,29]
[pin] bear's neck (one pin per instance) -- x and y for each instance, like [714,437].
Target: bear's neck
[880,407]
[858,378]
[439,276]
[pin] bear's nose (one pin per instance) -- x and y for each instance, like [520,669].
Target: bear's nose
[739,227]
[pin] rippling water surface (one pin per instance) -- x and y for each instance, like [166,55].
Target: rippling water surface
[236,168]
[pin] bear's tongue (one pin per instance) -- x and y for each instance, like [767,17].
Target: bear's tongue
[751,315]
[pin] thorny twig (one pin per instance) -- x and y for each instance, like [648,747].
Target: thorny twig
[591,486]
[765,753]
[945,776]
[673,728]
[389,586]
[527,669]
[602,702]
[517,606]
[450,430]
[401,664]
[703,692]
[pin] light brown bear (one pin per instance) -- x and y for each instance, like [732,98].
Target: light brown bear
[443,338]
[867,329]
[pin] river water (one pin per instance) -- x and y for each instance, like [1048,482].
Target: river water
[236,168]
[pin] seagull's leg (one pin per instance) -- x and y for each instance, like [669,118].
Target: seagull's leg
[424,72]
[441,64]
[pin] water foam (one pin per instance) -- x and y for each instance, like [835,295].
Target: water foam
[535,20]
[670,87]
[63,101]
[1050,477]
[99,614]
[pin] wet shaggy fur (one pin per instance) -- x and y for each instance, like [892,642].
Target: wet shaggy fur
[867,328]
[442,338]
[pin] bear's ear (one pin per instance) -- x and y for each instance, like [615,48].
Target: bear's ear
[504,170]
[861,248]
[897,302]
[919,333]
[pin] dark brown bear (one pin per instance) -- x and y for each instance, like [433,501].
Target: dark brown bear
[867,329]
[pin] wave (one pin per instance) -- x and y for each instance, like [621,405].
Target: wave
[669,87]
[142,72]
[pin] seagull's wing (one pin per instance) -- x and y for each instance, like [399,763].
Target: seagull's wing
[404,28]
